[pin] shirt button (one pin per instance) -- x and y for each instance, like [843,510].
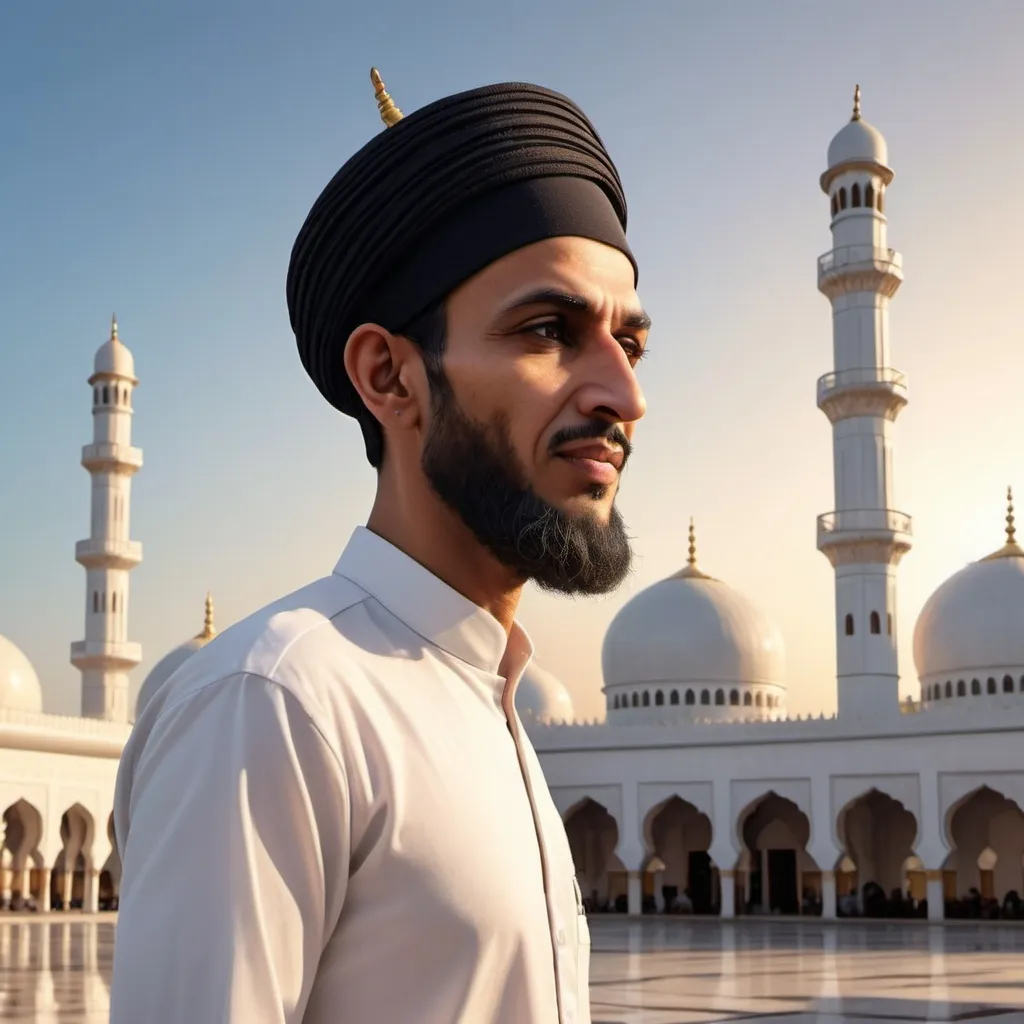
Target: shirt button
[561,937]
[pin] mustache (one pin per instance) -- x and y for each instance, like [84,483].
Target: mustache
[593,430]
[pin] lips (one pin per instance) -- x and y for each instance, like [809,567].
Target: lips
[591,451]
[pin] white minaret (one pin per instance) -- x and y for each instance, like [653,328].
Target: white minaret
[105,656]
[864,538]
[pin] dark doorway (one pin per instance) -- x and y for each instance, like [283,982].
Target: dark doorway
[701,882]
[783,895]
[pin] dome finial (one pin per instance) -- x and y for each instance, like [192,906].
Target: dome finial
[209,629]
[692,560]
[113,328]
[1011,530]
[389,113]
[856,103]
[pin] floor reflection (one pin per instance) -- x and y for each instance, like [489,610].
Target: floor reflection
[668,971]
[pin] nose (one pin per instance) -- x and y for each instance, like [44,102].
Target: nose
[611,390]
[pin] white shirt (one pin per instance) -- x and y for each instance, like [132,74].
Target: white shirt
[331,814]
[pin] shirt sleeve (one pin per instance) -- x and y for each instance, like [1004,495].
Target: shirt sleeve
[236,851]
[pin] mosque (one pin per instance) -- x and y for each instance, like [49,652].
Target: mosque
[698,792]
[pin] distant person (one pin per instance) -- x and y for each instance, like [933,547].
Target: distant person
[331,813]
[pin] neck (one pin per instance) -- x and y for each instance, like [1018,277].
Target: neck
[407,514]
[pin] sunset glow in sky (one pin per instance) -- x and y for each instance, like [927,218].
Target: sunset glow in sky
[159,163]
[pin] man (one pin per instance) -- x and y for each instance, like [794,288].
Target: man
[331,813]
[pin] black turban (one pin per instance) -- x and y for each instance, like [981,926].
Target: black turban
[434,199]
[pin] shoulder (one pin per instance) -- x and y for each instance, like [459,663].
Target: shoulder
[301,643]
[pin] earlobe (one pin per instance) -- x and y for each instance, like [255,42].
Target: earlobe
[380,366]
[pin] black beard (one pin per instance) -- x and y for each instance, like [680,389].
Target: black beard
[474,470]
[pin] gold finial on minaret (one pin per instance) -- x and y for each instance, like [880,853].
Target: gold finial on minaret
[692,560]
[1011,530]
[856,103]
[389,113]
[690,570]
[209,629]
[113,328]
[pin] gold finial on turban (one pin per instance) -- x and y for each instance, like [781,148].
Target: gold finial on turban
[209,629]
[856,103]
[389,113]
[113,328]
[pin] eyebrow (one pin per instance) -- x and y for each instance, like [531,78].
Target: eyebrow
[637,319]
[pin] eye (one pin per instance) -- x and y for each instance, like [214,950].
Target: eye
[634,350]
[549,330]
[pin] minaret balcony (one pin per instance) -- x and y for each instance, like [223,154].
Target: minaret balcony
[862,391]
[857,525]
[100,553]
[860,268]
[115,458]
[105,654]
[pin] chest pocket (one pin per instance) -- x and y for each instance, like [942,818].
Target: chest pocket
[582,955]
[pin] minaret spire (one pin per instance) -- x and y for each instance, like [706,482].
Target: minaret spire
[106,655]
[864,537]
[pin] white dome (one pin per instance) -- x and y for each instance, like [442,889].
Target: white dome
[173,660]
[19,684]
[112,357]
[540,697]
[691,630]
[973,625]
[858,142]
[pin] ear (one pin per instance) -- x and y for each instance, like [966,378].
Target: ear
[387,371]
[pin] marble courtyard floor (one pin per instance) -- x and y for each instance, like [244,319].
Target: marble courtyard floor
[56,970]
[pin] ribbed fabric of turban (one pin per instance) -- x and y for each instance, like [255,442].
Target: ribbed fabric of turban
[434,199]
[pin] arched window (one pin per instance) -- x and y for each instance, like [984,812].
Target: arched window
[673,697]
[705,697]
[719,697]
[734,697]
[990,685]
[888,623]
[855,195]
[96,396]
[647,699]
[747,699]
[106,395]
[961,688]
[1007,684]
[849,624]
[975,688]
[659,698]
[113,601]
[1022,684]
[835,205]
[691,698]
[636,700]
[937,691]
[95,600]
[869,195]
[881,200]
[876,623]
[759,700]
[949,689]
[842,199]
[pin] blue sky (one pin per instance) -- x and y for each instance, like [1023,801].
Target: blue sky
[157,160]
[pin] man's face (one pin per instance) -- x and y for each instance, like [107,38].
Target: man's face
[535,409]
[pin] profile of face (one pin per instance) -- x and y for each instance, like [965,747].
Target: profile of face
[533,411]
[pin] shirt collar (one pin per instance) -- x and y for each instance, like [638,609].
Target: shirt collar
[431,608]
